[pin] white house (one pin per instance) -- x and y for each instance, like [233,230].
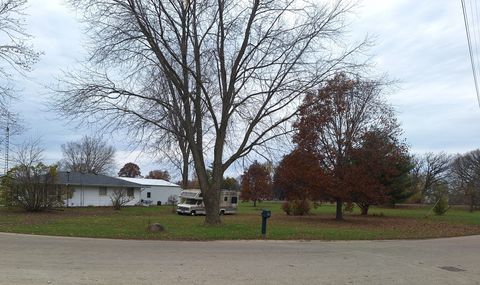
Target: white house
[155,191]
[96,189]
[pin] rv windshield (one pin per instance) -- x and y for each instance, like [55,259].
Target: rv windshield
[192,202]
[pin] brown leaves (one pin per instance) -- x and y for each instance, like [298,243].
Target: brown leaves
[256,183]
[347,146]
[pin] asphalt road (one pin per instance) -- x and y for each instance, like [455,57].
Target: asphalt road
[28,259]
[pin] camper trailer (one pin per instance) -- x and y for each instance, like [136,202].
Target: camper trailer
[191,202]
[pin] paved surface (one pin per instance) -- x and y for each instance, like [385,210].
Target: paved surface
[55,260]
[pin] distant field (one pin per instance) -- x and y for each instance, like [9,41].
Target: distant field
[130,223]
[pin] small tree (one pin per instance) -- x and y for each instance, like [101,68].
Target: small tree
[230,183]
[300,179]
[31,184]
[298,175]
[32,188]
[172,200]
[256,183]
[129,170]
[378,172]
[441,206]
[119,198]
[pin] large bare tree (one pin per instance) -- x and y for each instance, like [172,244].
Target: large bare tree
[15,53]
[465,176]
[16,57]
[88,155]
[431,170]
[221,77]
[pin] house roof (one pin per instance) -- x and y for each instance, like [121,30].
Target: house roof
[78,178]
[149,182]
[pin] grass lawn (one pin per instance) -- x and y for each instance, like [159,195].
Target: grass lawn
[131,223]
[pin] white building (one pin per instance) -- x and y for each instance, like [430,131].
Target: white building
[96,189]
[155,191]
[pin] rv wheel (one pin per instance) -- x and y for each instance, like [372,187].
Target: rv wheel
[193,213]
[222,212]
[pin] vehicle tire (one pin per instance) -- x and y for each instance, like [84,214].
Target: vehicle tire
[193,213]
[222,212]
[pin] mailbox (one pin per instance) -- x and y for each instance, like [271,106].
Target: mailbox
[265,215]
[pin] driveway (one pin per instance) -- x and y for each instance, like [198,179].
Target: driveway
[28,259]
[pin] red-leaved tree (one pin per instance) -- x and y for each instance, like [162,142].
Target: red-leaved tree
[159,174]
[378,172]
[256,183]
[300,176]
[332,124]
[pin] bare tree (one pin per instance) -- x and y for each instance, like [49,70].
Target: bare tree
[172,200]
[16,56]
[465,176]
[119,198]
[28,154]
[174,149]
[432,169]
[89,155]
[223,78]
[31,184]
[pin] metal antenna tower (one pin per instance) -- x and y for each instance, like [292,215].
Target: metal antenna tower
[7,143]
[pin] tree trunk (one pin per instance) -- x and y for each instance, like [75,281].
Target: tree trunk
[212,207]
[212,199]
[339,212]
[364,209]
[185,171]
[210,189]
[254,203]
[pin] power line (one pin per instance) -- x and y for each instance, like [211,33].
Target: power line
[470,50]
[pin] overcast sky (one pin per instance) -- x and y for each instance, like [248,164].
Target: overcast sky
[421,44]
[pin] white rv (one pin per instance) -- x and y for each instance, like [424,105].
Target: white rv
[191,202]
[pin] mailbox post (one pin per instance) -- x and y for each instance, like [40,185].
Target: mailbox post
[265,215]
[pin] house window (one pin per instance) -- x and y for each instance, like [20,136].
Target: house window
[234,200]
[102,191]
[225,199]
[130,192]
[149,195]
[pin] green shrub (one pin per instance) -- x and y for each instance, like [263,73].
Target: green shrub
[441,207]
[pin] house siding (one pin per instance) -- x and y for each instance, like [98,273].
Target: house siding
[84,196]
[159,193]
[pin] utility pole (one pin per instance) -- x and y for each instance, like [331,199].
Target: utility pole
[7,143]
